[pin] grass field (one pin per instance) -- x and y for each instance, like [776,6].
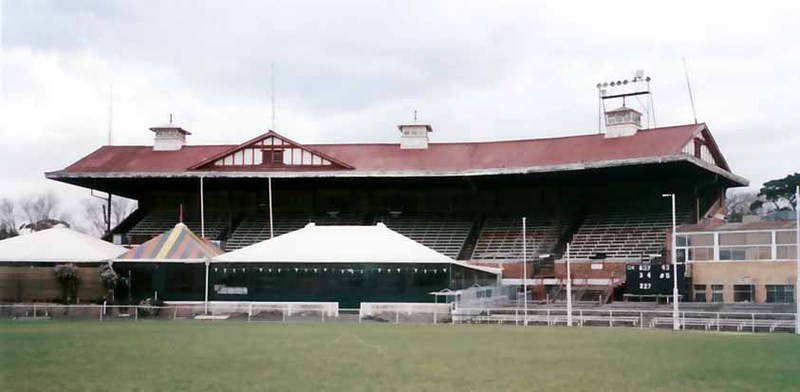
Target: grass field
[82,356]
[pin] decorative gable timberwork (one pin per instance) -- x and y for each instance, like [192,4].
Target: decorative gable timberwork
[272,151]
[702,146]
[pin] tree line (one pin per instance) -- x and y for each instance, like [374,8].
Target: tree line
[45,210]
[775,195]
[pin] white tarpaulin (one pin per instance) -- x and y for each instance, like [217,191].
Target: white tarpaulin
[58,245]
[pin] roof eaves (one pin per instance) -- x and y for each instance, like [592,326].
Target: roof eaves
[408,173]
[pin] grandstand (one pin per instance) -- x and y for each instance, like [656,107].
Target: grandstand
[600,192]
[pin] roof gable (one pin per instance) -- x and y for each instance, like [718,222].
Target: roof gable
[271,151]
[702,145]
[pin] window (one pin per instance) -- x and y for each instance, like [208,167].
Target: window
[744,293]
[780,294]
[717,293]
[272,157]
[699,293]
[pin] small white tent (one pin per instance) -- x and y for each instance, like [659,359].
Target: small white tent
[57,245]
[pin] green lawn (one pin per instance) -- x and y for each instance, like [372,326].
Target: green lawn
[81,356]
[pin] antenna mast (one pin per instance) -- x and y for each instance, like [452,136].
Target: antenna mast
[272,92]
[689,87]
[110,111]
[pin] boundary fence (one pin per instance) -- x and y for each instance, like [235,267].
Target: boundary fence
[638,318]
[405,313]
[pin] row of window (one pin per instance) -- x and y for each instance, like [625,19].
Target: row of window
[776,293]
[704,253]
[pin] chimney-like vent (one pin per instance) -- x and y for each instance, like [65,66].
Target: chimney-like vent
[414,136]
[169,137]
[622,122]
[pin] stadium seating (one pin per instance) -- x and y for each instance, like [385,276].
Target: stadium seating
[446,234]
[155,223]
[501,238]
[622,234]
[255,228]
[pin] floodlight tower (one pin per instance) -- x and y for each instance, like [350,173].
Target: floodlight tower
[675,321]
[639,85]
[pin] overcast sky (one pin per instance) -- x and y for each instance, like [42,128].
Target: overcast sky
[352,71]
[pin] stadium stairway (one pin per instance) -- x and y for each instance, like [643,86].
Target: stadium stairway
[472,239]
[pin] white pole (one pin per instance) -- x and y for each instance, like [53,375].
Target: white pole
[797,253]
[524,271]
[675,322]
[269,182]
[206,292]
[569,290]
[202,211]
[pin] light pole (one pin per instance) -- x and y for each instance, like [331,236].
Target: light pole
[675,321]
[797,253]
[524,271]
[569,291]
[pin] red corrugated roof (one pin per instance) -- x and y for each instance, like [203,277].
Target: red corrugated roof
[516,153]
[143,159]
[438,156]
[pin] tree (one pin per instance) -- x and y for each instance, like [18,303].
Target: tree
[41,207]
[69,279]
[781,192]
[740,204]
[109,278]
[8,219]
[95,212]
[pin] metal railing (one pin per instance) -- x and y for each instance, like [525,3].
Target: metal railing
[638,318]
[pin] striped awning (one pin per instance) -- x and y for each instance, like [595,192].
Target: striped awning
[178,244]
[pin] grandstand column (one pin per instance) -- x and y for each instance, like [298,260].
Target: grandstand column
[524,272]
[269,190]
[202,211]
[569,291]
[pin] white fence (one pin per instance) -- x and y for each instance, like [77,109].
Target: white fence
[408,311]
[329,312]
[702,320]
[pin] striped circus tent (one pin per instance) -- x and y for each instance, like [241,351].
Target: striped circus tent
[178,244]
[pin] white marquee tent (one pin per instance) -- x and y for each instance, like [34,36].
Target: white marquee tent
[341,244]
[58,245]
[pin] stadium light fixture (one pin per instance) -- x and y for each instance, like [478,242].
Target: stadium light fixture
[675,320]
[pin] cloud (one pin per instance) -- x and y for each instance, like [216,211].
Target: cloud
[351,71]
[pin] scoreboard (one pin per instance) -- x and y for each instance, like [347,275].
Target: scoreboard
[654,279]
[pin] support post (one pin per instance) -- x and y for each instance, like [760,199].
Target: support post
[108,217]
[269,185]
[208,263]
[524,271]
[569,289]
[202,210]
